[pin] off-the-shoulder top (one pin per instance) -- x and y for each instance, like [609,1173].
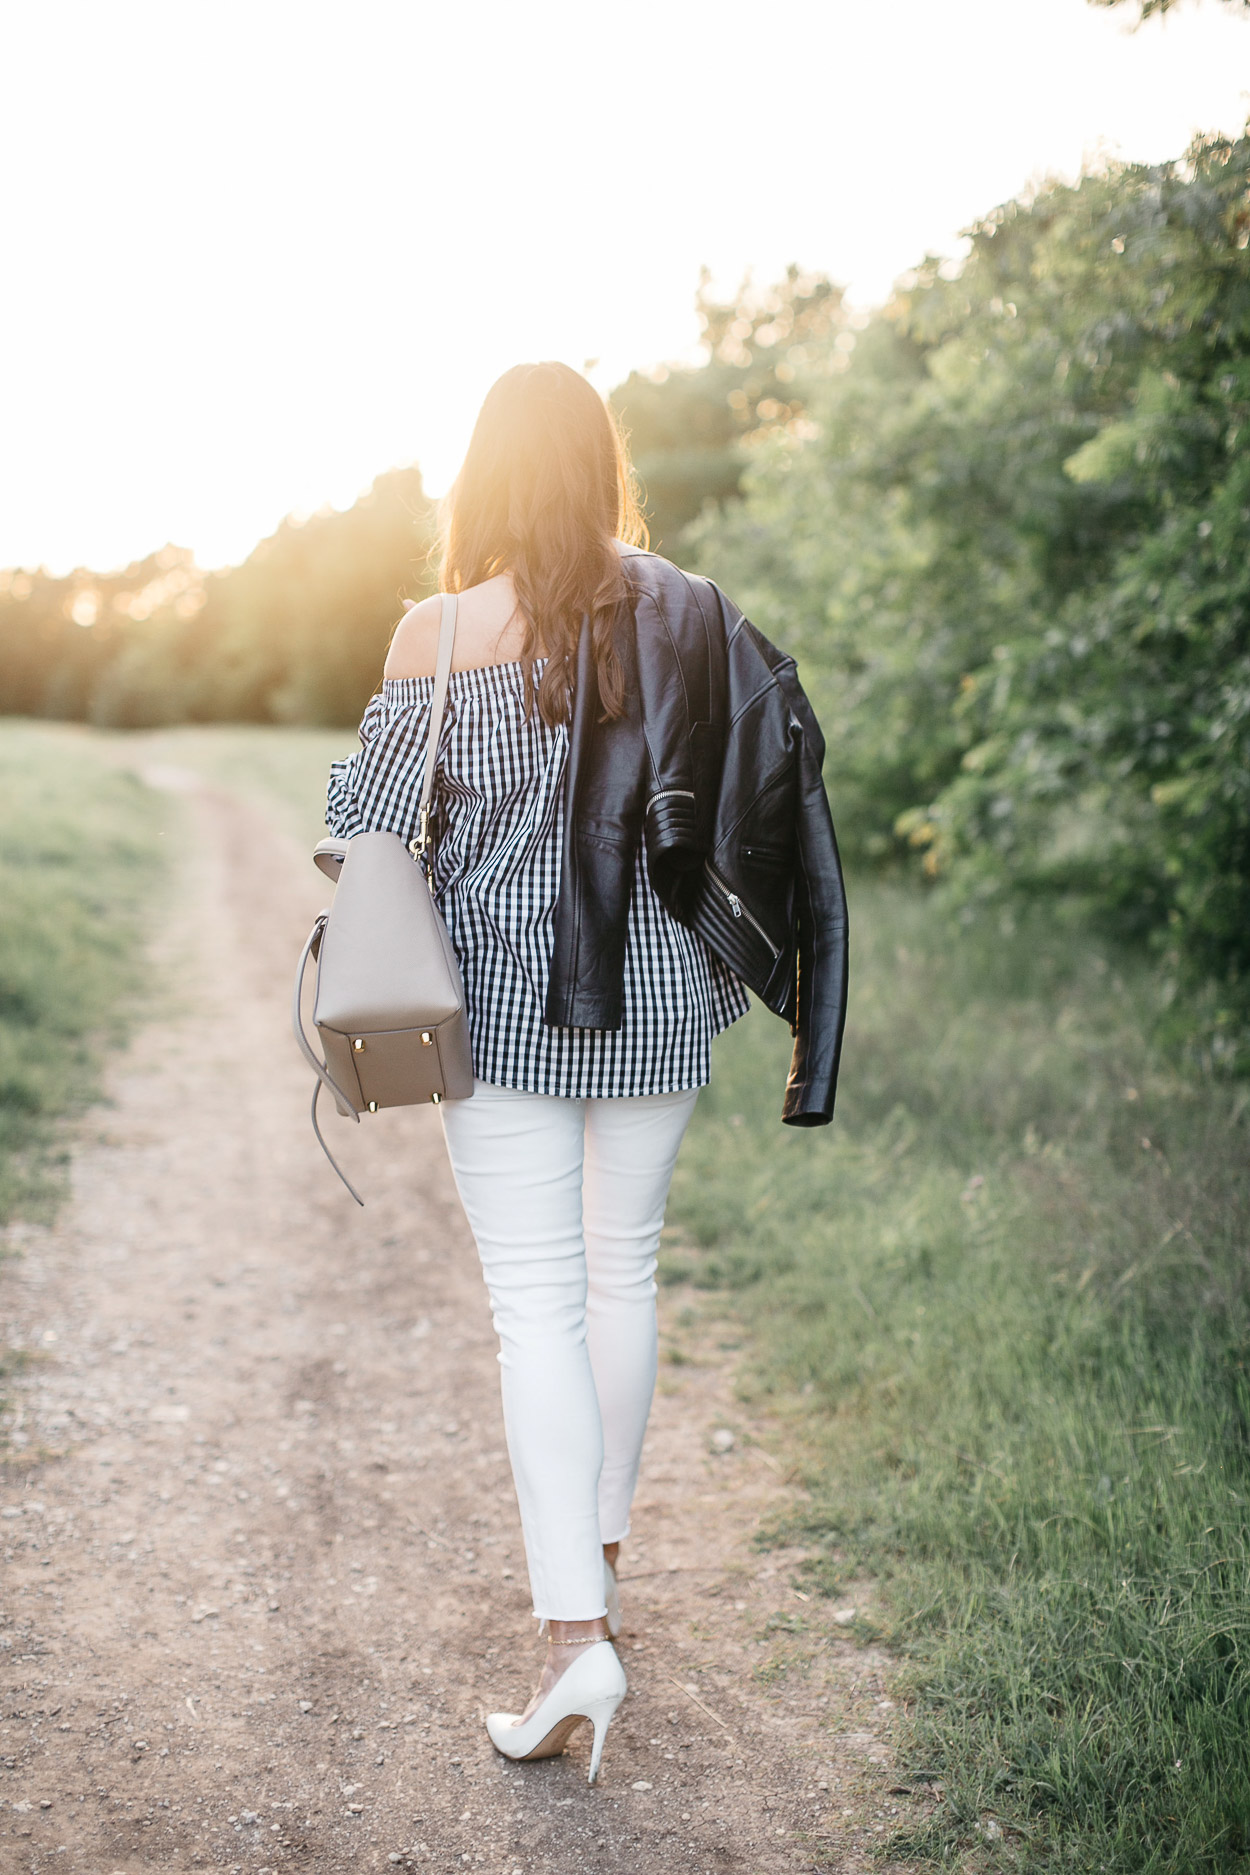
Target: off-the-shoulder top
[498,831]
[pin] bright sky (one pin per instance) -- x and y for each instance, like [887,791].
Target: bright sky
[259,251]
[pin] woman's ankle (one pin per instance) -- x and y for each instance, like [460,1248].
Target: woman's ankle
[562,1634]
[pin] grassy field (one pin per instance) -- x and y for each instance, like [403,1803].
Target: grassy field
[81,855]
[1004,1305]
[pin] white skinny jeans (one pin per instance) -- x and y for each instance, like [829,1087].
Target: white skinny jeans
[566,1199]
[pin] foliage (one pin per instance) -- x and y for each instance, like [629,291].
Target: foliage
[1003,1309]
[691,428]
[297,633]
[79,856]
[1014,559]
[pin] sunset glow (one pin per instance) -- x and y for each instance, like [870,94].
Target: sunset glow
[259,254]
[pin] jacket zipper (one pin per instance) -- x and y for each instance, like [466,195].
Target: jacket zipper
[668,794]
[739,910]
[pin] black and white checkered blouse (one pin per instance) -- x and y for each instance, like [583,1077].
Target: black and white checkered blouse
[499,822]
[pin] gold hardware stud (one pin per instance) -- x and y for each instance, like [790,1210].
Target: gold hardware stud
[426,1038]
[373,1106]
[437,1099]
[358,1043]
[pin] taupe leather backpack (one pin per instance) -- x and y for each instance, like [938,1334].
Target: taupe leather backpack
[389,1000]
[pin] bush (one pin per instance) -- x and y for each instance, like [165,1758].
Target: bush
[1013,562]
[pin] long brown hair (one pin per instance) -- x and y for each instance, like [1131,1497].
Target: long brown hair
[545,488]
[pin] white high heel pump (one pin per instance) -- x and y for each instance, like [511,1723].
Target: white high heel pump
[592,1688]
[611,1595]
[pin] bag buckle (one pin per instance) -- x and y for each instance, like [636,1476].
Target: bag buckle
[419,848]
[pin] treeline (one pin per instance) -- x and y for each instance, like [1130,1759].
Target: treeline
[296,634]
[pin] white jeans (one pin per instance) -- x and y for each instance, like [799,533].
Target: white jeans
[566,1199]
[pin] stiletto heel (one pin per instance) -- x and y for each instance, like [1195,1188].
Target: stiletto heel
[601,1718]
[592,1688]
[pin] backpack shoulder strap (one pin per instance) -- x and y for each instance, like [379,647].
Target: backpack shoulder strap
[438,704]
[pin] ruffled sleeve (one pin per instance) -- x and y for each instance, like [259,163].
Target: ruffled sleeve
[378,789]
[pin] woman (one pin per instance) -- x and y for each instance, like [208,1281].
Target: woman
[593,862]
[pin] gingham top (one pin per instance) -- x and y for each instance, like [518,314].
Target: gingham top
[498,829]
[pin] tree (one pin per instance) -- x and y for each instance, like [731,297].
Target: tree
[301,628]
[1014,559]
[690,428]
[297,633]
[58,636]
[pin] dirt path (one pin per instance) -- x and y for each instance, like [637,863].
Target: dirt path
[263,1567]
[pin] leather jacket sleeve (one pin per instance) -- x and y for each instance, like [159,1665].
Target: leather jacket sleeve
[778,854]
[821,921]
[682,698]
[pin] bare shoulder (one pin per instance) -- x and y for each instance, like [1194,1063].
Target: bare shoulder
[414,648]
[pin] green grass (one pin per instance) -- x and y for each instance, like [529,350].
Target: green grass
[1004,1305]
[80,857]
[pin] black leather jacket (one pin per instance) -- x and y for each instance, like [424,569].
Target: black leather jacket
[716,763]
